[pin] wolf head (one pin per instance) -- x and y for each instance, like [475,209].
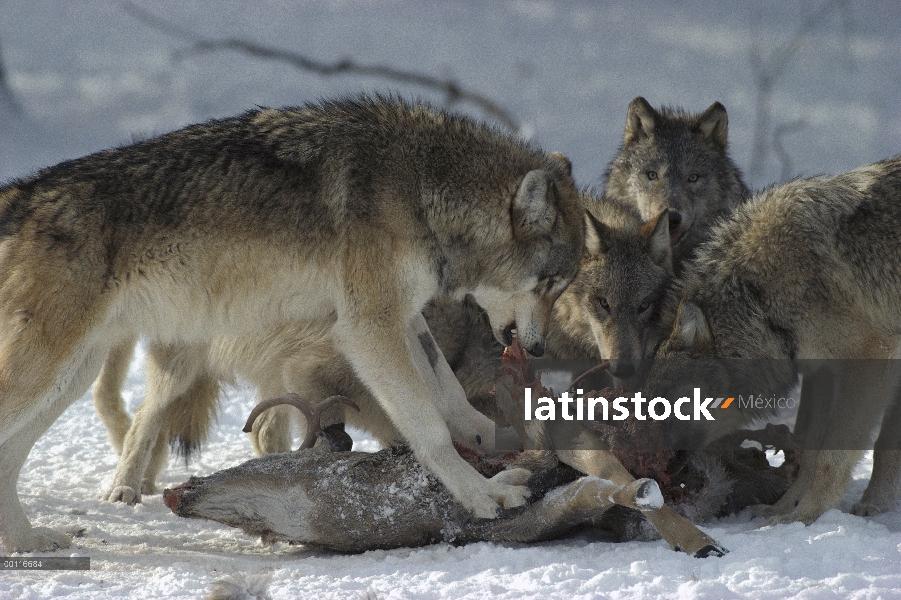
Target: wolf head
[539,259]
[675,161]
[616,299]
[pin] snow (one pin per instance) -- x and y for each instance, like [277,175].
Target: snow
[88,76]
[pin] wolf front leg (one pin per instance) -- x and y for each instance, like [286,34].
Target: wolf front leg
[835,441]
[22,423]
[884,490]
[467,425]
[393,362]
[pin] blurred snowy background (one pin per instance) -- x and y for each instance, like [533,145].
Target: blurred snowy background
[818,79]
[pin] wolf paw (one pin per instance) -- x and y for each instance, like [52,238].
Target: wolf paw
[510,496]
[779,520]
[871,509]
[800,515]
[41,539]
[516,476]
[499,497]
[123,493]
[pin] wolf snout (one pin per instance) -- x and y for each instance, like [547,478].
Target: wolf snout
[530,341]
[675,219]
[537,349]
[622,368]
[678,226]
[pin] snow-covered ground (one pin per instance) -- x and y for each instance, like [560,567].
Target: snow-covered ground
[145,551]
[87,76]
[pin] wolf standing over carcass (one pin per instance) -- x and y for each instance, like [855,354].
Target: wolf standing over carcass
[805,271]
[612,312]
[343,217]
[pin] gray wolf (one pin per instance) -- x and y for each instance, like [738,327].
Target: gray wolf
[626,262]
[676,161]
[807,270]
[612,310]
[341,219]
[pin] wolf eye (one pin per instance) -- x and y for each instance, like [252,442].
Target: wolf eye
[652,175]
[693,177]
[604,304]
[644,306]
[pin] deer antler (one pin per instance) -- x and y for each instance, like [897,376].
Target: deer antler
[313,415]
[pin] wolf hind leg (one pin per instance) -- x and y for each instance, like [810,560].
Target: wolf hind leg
[107,392]
[110,407]
[171,371]
[185,427]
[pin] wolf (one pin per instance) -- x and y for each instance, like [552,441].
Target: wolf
[340,218]
[676,161]
[628,270]
[613,309]
[806,270]
[625,261]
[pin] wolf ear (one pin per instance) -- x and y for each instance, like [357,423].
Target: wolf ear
[534,207]
[563,161]
[713,124]
[640,120]
[655,234]
[692,331]
[597,235]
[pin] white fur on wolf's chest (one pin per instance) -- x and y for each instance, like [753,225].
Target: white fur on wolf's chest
[246,290]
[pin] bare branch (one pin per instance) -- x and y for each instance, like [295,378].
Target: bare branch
[453,91]
[6,91]
[770,69]
[784,158]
